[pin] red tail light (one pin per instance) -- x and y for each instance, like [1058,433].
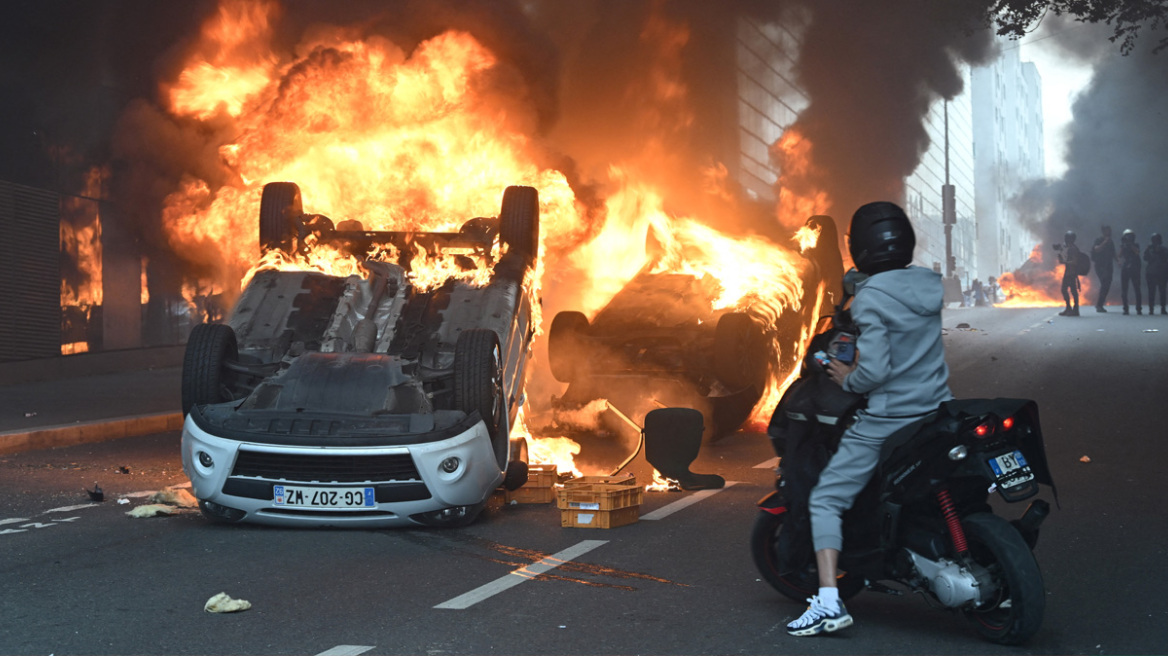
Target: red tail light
[1007,423]
[984,429]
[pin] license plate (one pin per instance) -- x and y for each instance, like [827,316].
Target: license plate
[322,497]
[1011,469]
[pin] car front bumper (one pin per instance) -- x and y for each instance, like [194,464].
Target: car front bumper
[411,485]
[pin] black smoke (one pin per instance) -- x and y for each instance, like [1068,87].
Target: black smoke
[1117,147]
[85,76]
[872,71]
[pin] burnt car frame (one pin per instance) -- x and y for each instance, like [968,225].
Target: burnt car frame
[660,342]
[657,343]
[364,400]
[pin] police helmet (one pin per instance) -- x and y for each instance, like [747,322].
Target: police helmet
[1129,235]
[1156,240]
[1070,237]
[881,238]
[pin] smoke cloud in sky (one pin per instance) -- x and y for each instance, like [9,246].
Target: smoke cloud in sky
[597,77]
[872,70]
[1117,147]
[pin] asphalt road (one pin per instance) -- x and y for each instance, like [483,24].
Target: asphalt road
[81,578]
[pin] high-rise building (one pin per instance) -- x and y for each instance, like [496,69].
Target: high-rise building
[949,160]
[1008,151]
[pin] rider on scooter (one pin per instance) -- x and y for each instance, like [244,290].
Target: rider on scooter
[899,365]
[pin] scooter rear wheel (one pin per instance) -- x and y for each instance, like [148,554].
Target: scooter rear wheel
[1016,613]
[797,585]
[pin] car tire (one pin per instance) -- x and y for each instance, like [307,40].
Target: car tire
[740,358]
[478,384]
[565,343]
[519,222]
[280,206]
[205,377]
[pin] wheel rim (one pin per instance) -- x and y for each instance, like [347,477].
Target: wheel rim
[993,615]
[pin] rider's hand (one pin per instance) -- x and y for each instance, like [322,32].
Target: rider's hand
[838,371]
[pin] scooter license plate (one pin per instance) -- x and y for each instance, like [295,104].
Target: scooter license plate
[1011,469]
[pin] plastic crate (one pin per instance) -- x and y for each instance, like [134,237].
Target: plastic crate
[539,488]
[599,518]
[599,501]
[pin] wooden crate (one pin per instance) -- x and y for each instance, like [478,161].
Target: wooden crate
[539,488]
[599,518]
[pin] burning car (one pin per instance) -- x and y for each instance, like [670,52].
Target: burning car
[663,341]
[659,342]
[365,400]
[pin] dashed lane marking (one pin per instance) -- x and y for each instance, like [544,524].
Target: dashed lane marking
[768,464]
[63,509]
[69,508]
[520,575]
[345,650]
[681,504]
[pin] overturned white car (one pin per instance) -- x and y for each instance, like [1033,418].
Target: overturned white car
[364,400]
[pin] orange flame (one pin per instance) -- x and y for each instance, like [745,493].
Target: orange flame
[421,141]
[226,73]
[1037,283]
[793,152]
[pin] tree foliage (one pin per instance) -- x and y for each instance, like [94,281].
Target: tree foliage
[1015,18]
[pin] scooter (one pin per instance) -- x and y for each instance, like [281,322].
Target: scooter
[924,521]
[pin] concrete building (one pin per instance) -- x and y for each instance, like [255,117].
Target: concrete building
[1009,153]
[948,160]
[769,101]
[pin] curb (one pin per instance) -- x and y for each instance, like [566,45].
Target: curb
[50,437]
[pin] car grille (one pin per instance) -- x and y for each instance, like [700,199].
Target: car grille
[325,468]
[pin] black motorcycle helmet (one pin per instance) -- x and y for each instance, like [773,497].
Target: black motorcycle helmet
[1069,238]
[881,238]
[1156,239]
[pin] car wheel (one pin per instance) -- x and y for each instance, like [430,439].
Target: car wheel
[205,377]
[519,222]
[478,383]
[280,206]
[564,344]
[740,359]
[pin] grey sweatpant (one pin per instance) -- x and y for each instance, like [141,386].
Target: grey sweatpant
[846,474]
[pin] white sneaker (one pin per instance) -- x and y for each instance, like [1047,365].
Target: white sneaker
[818,618]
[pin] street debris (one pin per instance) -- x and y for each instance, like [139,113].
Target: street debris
[175,497]
[96,494]
[221,603]
[123,501]
[123,470]
[169,501]
[1085,459]
[30,414]
[152,510]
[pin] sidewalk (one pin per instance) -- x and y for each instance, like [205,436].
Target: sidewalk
[89,398]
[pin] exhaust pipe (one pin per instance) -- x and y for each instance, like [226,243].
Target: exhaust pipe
[1031,520]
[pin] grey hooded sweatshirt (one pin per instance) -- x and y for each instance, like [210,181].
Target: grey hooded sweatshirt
[901,364]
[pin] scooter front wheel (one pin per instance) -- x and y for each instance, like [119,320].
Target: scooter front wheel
[797,585]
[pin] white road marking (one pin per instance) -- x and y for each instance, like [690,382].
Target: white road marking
[345,650]
[520,575]
[681,504]
[768,464]
[129,495]
[69,508]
